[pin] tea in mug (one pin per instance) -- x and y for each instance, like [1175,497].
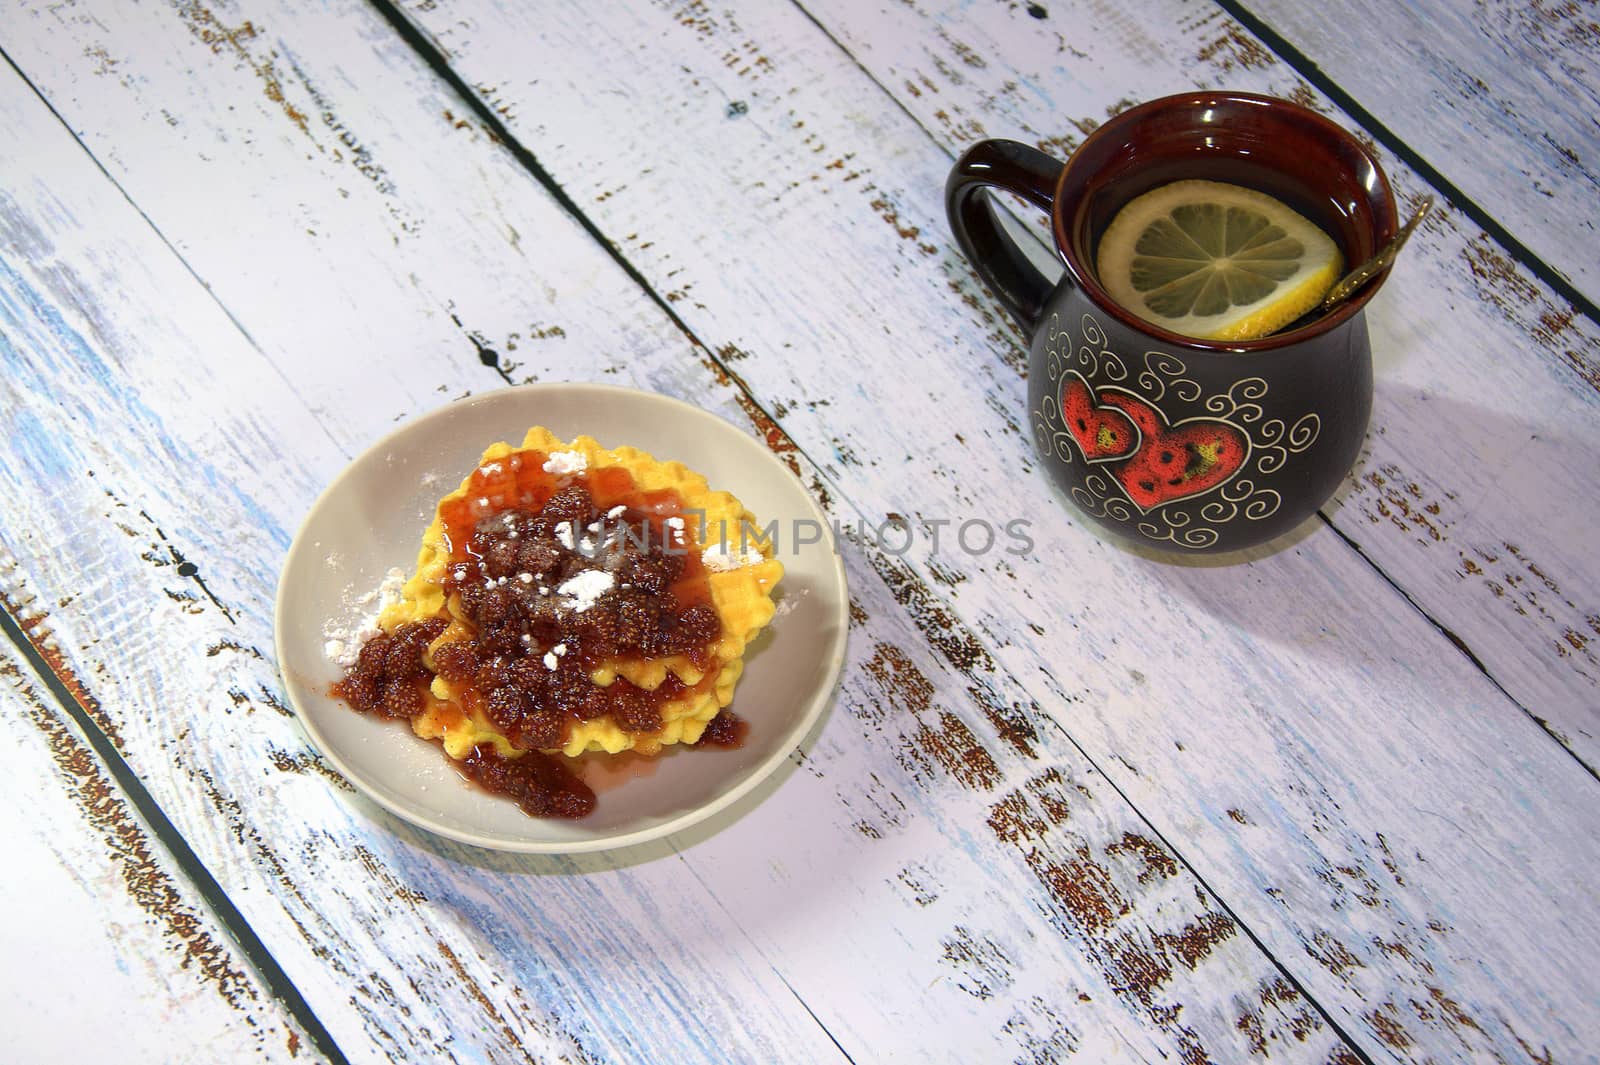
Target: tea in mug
[1216,261]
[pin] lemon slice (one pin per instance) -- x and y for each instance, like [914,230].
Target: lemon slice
[1216,261]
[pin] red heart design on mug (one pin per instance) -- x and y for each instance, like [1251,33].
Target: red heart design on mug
[1102,432]
[1175,462]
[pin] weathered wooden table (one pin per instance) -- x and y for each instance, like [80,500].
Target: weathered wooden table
[1333,803]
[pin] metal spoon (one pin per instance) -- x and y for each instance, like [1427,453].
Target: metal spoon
[1347,284]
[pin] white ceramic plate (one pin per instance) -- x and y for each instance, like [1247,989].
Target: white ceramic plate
[371,519]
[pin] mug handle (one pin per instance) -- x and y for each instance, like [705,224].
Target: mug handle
[1019,169]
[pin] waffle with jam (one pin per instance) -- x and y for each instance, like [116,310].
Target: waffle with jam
[570,598]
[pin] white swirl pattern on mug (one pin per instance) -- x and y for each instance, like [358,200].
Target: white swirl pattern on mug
[1273,453]
[1228,405]
[1049,427]
[1257,503]
[1102,363]
[1158,366]
[1099,501]
[1200,537]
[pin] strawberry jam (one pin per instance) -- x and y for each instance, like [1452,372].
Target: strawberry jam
[727,729]
[539,783]
[390,679]
[557,572]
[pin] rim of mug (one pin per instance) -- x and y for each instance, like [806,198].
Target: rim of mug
[1085,279]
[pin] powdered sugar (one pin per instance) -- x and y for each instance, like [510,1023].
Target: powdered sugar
[343,642]
[786,604]
[562,463]
[583,590]
[723,556]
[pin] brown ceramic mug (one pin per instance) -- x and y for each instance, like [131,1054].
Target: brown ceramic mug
[1119,407]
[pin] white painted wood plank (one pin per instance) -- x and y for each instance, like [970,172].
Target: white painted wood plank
[1475,493]
[1500,98]
[394,937]
[111,953]
[186,684]
[1149,650]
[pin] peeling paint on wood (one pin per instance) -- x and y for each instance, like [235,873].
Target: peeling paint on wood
[1500,96]
[1013,862]
[1139,53]
[124,923]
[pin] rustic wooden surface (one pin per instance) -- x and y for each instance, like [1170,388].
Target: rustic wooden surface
[1332,803]
[1500,97]
[98,912]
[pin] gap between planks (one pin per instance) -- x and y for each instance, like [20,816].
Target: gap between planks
[155,229]
[1298,61]
[1459,644]
[214,896]
[439,63]
[167,835]
[525,158]
[1302,65]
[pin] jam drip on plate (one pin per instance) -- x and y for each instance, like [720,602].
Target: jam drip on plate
[389,680]
[727,729]
[537,782]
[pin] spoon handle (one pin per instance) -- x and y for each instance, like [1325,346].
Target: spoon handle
[1347,284]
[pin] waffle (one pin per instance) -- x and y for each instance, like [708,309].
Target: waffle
[740,593]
